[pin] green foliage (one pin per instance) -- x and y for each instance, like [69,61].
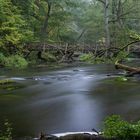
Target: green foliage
[2,58]
[121,55]
[91,59]
[115,127]
[15,61]
[134,35]
[87,58]
[74,22]
[6,134]
[48,57]
[6,81]
[10,24]
[100,60]
[14,31]
[121,79]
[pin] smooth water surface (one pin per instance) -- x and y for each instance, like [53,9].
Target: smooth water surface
[71,99]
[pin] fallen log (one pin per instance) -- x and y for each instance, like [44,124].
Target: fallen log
[131,70]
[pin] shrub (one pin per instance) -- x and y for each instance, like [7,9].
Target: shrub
[90,59]
[115,127]
[87,58]
[15,61]
[121,79]
[6,134]
[49,57]
[121,56]
[2,58]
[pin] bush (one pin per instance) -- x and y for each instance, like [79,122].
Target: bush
[115,127]
[90,59]
[2,58]
[48,57]
[6,134]
[122,55]
[15,61]
[87,58]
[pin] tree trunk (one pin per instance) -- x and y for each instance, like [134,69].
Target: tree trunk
[44,29]
[127,68]
[119,13]
[106,22]
[107,32]
[113,34]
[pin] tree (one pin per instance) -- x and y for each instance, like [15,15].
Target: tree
[11,24]
[106,22]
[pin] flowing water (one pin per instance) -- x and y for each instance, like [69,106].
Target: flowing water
[68,99]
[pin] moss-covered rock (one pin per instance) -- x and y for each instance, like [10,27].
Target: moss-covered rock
[6,81]
[121,79]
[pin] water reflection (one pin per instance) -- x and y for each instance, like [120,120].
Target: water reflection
[84,111]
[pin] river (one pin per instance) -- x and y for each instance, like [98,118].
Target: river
[68,99]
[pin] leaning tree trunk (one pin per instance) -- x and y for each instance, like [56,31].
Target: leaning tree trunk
[126,68]
[130,70]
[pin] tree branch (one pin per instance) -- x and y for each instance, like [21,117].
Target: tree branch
[102,1]
[79,37]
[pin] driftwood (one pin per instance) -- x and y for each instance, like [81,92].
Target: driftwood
[131,70]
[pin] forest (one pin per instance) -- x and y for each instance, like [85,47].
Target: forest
[69,66]
[52,30]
